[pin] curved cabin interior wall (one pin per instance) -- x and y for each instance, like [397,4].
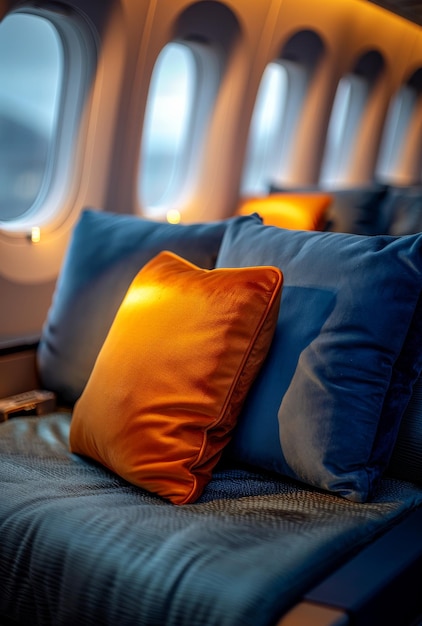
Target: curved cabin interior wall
[328,40]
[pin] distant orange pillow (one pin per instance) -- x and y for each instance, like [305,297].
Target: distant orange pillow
[296,211]
[173,372]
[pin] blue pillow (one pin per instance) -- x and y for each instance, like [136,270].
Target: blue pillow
[105,253]
[326,406]
[357,210]
[402,210]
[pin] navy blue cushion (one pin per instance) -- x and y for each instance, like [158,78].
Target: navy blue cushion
[106,252]
[326,406]
[402,210]
[357,210]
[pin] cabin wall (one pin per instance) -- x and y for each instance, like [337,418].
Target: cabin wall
[128,36]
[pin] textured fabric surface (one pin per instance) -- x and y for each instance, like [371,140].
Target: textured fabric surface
[406,460]
[174,371]
[82,546]
[105,253]
[327,404]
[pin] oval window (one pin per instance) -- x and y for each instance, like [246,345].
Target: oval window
[264,134]
[167,124]
[31,71]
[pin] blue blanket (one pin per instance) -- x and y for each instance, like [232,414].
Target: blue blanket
[78,545]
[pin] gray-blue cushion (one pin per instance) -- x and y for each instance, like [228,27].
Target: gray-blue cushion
[105,253]
[327,404]
[402,210]
[356,210]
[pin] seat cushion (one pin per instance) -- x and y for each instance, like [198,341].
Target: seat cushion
[82,546]
[326,406]
[357,210]
[402,210]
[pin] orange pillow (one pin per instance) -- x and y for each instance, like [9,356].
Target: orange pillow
[296,211]
[173,372]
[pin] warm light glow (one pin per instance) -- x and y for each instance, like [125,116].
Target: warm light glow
[136,295]
[35,234]
[173,216]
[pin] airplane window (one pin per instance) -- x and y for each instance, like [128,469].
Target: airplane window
[351,95]
[166,128]
[400,152]
[399,115]
[265,130]
[30,84]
